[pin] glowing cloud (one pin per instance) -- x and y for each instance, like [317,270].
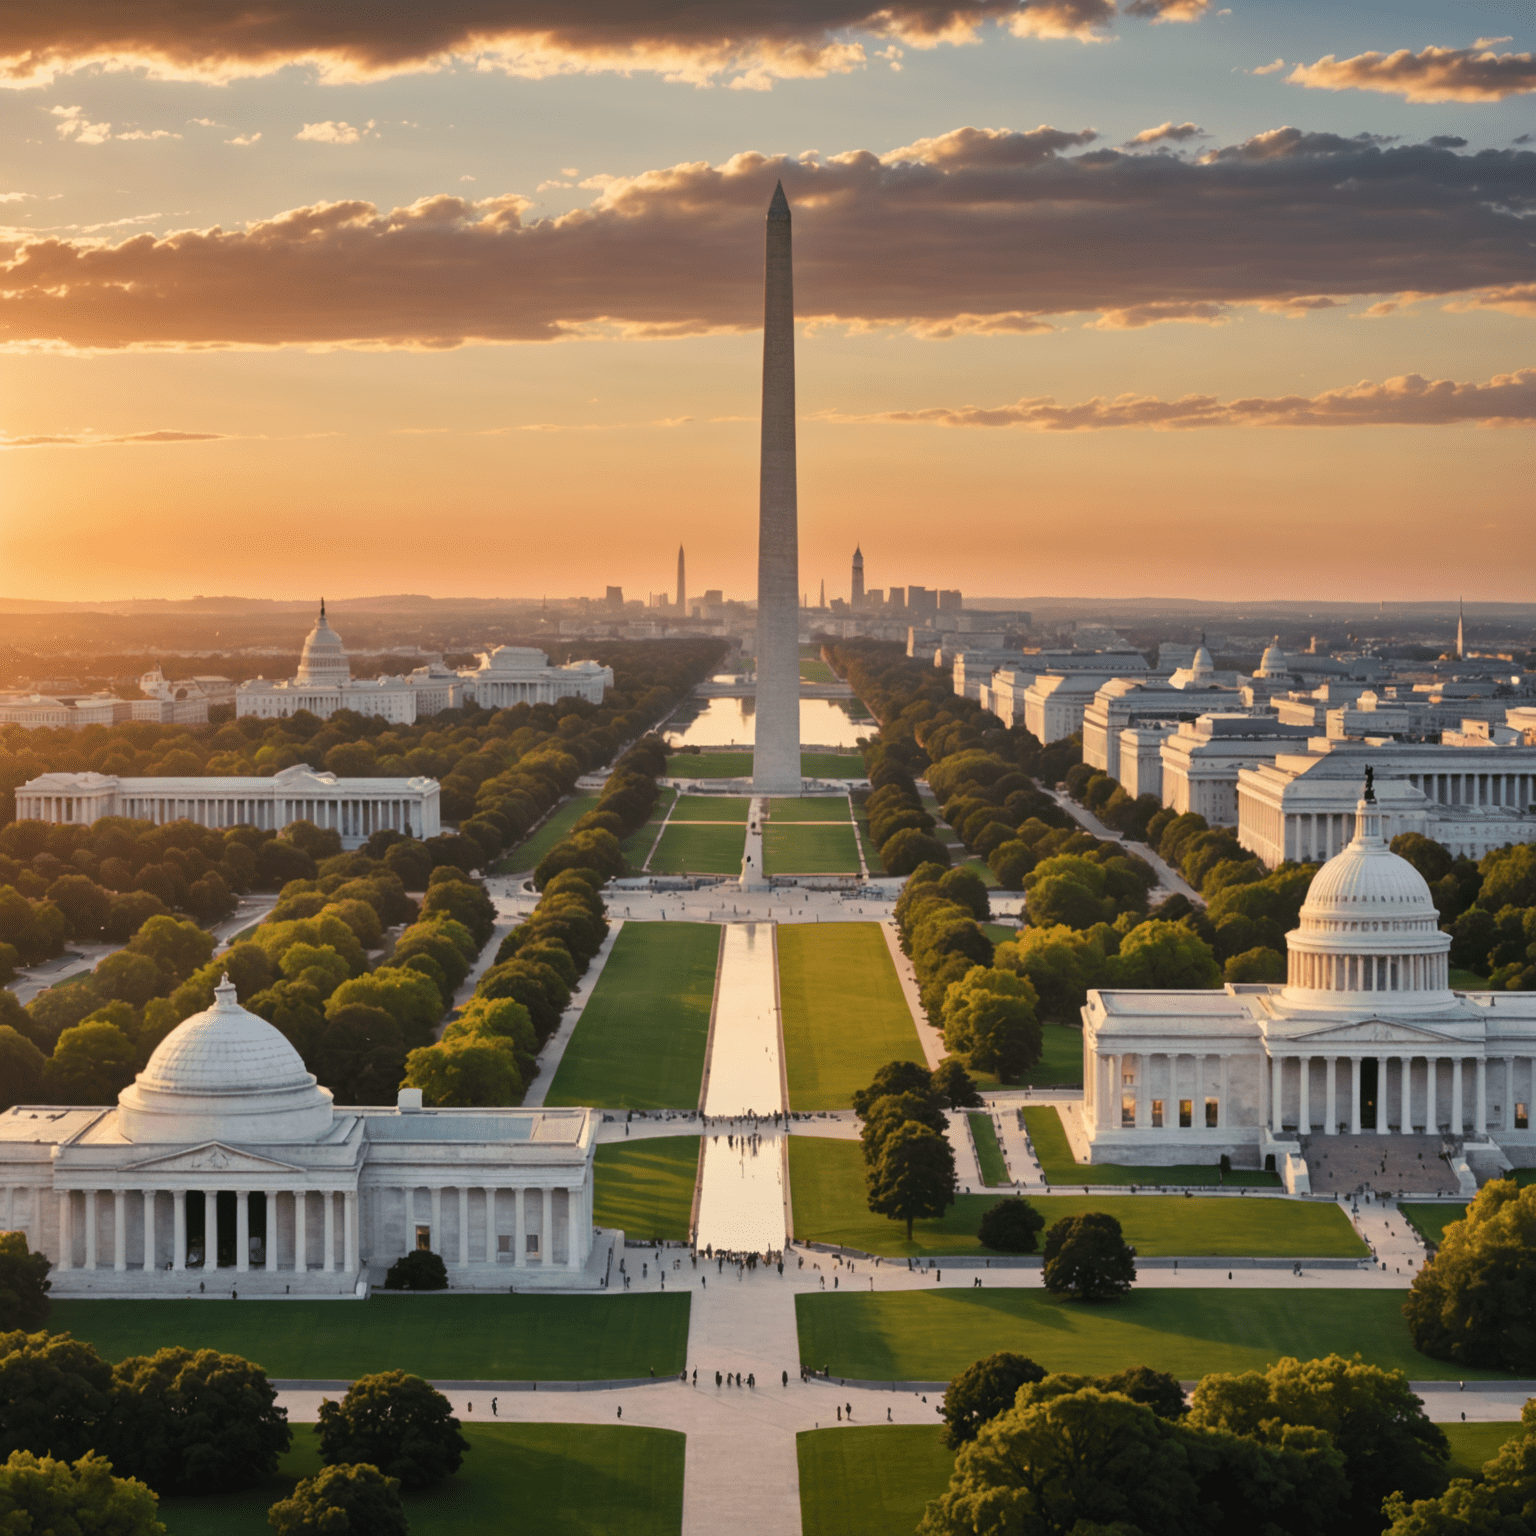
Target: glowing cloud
[1434,74]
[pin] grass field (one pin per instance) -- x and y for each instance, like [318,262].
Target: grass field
[645,1186]
[738,765]
[810,808]
[639,1043]
[981,867]
[1430,1218]
[871,1480]
[1061,1060]
[699,849]
[1473,1444]
[827,1189]
[731,808]
[931,1335]
[564,816]
[636,848]
[1000,933]
[463,1338]
[814,848]
[1467,981]
[816,671]
[871,853]
[844,1012]
[1055,1154]
[989,1155]
[563,1480]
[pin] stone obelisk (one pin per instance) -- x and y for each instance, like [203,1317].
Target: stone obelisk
[776,749]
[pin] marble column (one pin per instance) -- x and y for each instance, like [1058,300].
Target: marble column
[520,1230]
[573,1224]
[547,1227]
[1223,1113]
[269,1232]
[1143,1103]
[300,1231]
[1458,1103]
[349,1228]
[66,1259]
[242,1231]
[1480,1124]
[463,1226]
[178,1229]
[1509,1093]
[1405,1119]
[1382,1128]
[490,1225]
[409,1196]
[1354,1095]
[1304,1103]
[328,1196]
[148,1197]
[90,1229]
[1331,1094]
[1276,1088]
[119,1229]
[437,1218]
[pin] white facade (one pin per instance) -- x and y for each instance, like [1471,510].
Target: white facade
[224,1164]
[1472,799]
[356,808]
[1123,702]
[1141,759]
[1365,1036]
[1203,757]
[516,674]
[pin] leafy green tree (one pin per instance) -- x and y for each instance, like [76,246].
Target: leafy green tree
[397,1423]
[1256,965]
[1011,861]
[84,903]
[951,1084]
[418,1270]
[91,1064]
[894,1110]
[1061,900]
[1509,877]
[1499,1502]
[59,1498]
[1165,956]
[1088,1259]
[21,1072]
[317,842]
[196,1421]
[915,1175]
[981,1392]
[1061,964]
[908,849]
[893,1077]
[989,1020]
[1158,1390]
[1011,1226]
[465,1072]
[1372,1416]
[342,1501]
[55,1393]
[24,1282]
[407,996]
[360,1055]
[466,901]
[1475,1301]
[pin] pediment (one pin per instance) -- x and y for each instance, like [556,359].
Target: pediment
[213,1157]
[1376,1032]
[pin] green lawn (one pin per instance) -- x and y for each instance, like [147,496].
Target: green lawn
[932,1335]
[1473,1444]
[732,808]
[870,1480]
[989,1155]
[738,765]
[827,1195]
[1055,1154]
[564,816]
[645,1186]
[455,1338]
[636,848]
[810,848]
[809,808]
[816,671]
[871,853]
[1430,1218]
[640,1041]
[562,1479]
[699,849]
[845,1015]
[1060,1064]
[988,879]
[1000,933]
[1467,981]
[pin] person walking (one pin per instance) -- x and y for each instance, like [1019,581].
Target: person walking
[494,1413]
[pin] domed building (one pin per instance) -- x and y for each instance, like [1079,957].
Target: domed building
[225,1164]
[1366,1036]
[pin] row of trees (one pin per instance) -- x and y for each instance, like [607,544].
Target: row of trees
[625,804]
[1330,1447]
[909,1165]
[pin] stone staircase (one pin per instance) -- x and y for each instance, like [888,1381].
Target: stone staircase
[1341,1165]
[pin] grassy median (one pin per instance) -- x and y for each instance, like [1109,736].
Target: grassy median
[645,1186]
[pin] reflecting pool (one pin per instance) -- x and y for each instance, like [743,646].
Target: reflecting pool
[730,722]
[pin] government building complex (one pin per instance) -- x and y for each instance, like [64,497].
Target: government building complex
[225,1152]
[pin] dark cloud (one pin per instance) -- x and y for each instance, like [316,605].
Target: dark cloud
[974,231]
[752,42]
[1411,401]
[1434,74]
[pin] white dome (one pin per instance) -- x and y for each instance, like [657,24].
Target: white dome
[227,1075]
[1368,926]
[324,658]
[1273,664]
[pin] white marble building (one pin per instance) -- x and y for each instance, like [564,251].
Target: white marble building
[518,674]
[225,1164]
[1365,1035]
[354,807]
[1202,759]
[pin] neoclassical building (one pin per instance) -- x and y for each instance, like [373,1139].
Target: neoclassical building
[224,1163]
[1365,1035]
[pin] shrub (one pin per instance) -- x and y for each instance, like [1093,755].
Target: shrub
[418,1270]
[1011,1226]
[342,1501]
[397,1423]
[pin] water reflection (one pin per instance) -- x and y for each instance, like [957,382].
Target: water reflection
[730,722]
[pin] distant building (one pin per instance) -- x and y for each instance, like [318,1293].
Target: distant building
[856,601]
[614,597]
[1203,757]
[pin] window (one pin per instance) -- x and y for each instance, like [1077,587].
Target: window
[1157,1114]
[424,1238]
[532,1242]
[1127,1114]
[1212,1114]
[1522,1117]
[1186,1114]
[504,1243]
[1128,1079]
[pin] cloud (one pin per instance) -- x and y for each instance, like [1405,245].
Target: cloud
[16,197]
[982,230]
[244,138]
[1169,133]
[333,133]
[154,133]
[1435,74]
[1409,401]
[73,124]
[93,440]
[1272,68]
[748,45]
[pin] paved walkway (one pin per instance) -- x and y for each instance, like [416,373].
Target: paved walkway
[554,1048]
[1169,880]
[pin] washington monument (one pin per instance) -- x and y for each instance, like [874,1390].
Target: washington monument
[776,749]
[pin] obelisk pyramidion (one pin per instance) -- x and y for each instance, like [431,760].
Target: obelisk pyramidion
[776,748]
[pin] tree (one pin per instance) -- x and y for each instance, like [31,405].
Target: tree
[1164,955]
[341,1501]
[91,1064]
[893,1077]
[398,1423]
[1371,1415]
[982,1391]
[1011,861]
[951,1084]
[177,945]
[1158,1390]
[1475,1301]
[59,1498]
[893,1111]
[1497,1503]
[1011,1226]
[196,1422]
[21,1071]
[360,1055]
[1088,1259]
[55,1392]
[418,1270]
[465,1072]
[989,1019]
[24,1282]
[1061,963]
[1261,964]
[904,851]
[915,1175]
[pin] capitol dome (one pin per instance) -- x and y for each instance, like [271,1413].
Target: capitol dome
[1273,666]
[1368,926]
[324,658]
[225,1075]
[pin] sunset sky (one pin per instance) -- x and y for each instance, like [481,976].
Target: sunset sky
[1176,298]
